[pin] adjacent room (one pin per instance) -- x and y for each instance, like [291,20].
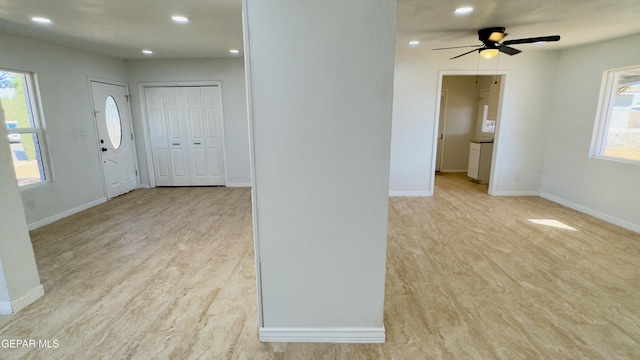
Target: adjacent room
[243,179]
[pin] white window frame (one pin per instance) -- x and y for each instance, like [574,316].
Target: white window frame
[603,115]
[34,107]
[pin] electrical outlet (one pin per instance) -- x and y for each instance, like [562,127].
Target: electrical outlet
[31,203]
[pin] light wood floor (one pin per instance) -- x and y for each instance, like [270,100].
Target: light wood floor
[169,274]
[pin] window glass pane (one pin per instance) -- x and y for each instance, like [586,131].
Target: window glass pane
[22,126]
[114,125]
[622,137]
[27,160]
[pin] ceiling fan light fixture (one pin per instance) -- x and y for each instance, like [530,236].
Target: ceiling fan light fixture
[489,53]
[496,36]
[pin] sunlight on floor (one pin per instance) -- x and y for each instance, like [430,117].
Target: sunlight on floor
[552,223]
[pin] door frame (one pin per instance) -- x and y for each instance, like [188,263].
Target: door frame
[497,151]
[97,135]
[146,128]
[443,93]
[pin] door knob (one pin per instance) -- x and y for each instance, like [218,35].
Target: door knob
[104,149]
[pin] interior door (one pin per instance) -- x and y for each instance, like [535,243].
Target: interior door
[441,124]
[113,121]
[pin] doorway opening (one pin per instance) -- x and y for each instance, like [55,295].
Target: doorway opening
[468,119]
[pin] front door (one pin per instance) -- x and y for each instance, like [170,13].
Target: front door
[113,120]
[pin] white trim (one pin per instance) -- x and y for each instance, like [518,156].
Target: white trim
[595,213]
[409,193]
[239,185]
[516,193]
[64,214]
[252,163]
[372,335]
[444,92]
[144,186]
[5,308]
[27,299]
[454,171]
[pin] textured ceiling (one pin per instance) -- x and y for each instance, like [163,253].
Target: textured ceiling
[122,28]
[576,21]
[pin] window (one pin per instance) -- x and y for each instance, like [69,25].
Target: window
[24,126]
[617,133]
[114,125]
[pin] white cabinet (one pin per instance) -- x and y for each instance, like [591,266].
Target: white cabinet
[479,167]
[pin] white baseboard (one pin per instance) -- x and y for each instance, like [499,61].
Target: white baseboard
[64,214]
[22,302]
[5,308]
[516,193]
[454,171]
[144,186]
[238,185]
[373,335]
[410,193]
[595,213]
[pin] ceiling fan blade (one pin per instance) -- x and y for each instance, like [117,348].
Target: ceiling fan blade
[457,47]
[468,52]
[509,50]
[532,40]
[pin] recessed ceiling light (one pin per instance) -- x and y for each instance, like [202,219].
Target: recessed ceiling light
[147,52]
[180,19]
[41,20]
[463,10]
[414,43]
[234,51]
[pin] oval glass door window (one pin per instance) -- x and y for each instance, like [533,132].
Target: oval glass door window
[114,125]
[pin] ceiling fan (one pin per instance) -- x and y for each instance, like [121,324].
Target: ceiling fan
[491,43]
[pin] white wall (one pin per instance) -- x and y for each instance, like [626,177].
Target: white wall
[64,87]
[321,75]
[231,73]
[460,122]
[529,84]
[19,279]
[607,189]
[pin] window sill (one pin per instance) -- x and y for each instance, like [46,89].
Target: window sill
[616,159]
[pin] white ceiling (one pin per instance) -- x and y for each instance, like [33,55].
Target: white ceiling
[122,28]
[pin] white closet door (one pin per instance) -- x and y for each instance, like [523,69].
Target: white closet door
[178,138]
[213,134]
[193,112]
[158,134]
[186,135]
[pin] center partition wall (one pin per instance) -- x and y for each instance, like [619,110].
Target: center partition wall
[320,80]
